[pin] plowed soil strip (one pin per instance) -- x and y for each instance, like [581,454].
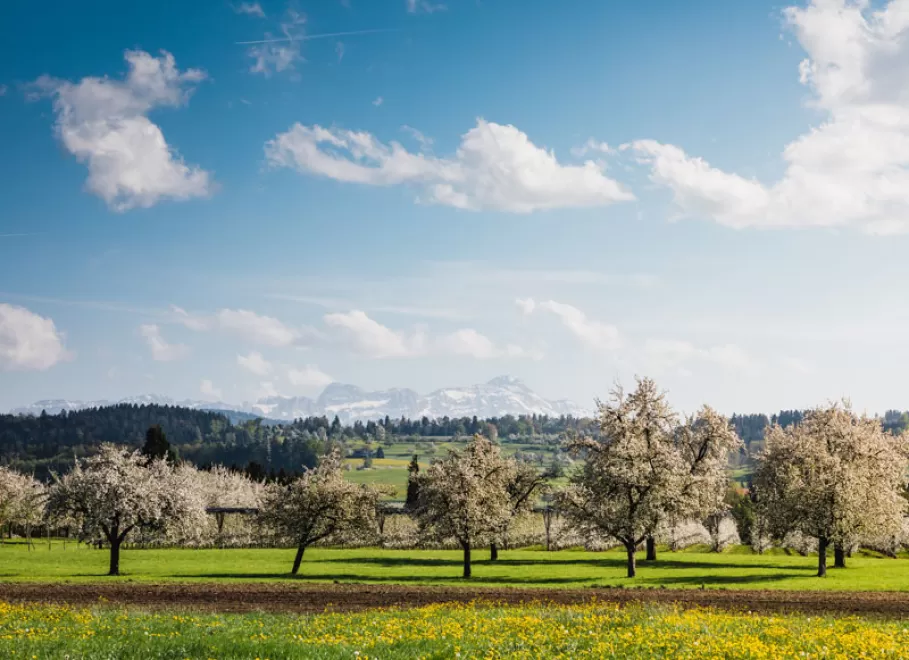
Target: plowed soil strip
[312,598]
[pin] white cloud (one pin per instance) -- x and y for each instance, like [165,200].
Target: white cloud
[250,9]
[378,101]
[424,6]
[3,90]
[104,124]
[255,363]
[674,353]
[526,305]
[161,350]
[851,170]
[595,334]
[592,146]
[257,328]
[425,142]
[208,390]
[309,378]
[28,341]
[468,342]
[496,167]
[191,321]
[371,338]
[276,54]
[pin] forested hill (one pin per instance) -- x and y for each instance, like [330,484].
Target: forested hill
[41,444]
[48,443]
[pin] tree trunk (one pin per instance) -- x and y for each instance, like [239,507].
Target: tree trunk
[219,519]
[493,552]
[298,559]
[651,549]
[632,562]
[822,557]
[114,556]
[839,556]
[466,547]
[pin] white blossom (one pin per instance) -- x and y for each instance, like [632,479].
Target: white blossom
[118,491]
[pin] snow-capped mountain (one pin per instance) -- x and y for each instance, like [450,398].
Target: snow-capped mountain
[500,396]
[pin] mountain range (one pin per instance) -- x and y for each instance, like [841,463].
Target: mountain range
[500,396]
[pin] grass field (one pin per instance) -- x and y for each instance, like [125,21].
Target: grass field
[527,568]
[445,631]
[392,470]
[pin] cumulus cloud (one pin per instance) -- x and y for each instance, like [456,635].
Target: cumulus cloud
[255,363]
[309,378]
[208,390]
[496,167]
[851,170]
[372,339]
[28,341]
[468,342]
[675,353]
[597,335]
[161,350]
[257,328]
[104,124]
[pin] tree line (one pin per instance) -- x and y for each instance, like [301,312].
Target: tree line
[43,444]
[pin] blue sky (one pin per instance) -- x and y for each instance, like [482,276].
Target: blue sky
[711,193]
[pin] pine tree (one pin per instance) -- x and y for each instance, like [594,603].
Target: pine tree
[156,445]
[413,491]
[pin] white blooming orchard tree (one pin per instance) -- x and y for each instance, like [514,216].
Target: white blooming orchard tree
[465,497]
[704,443]
[118,491]
[319,505]
[646,469]
[524,484]
[221,488]
[21,499]
[835,477]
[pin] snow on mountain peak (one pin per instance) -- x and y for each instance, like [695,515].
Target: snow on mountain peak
[504,395]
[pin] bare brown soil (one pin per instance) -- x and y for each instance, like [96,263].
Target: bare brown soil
[351,597]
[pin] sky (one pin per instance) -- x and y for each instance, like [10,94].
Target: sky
[230,200]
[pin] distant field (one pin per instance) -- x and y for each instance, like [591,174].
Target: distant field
[392,470]
[526,568]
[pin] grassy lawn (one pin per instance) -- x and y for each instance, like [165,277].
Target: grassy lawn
[530,631]
[526,568]
[381,475]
